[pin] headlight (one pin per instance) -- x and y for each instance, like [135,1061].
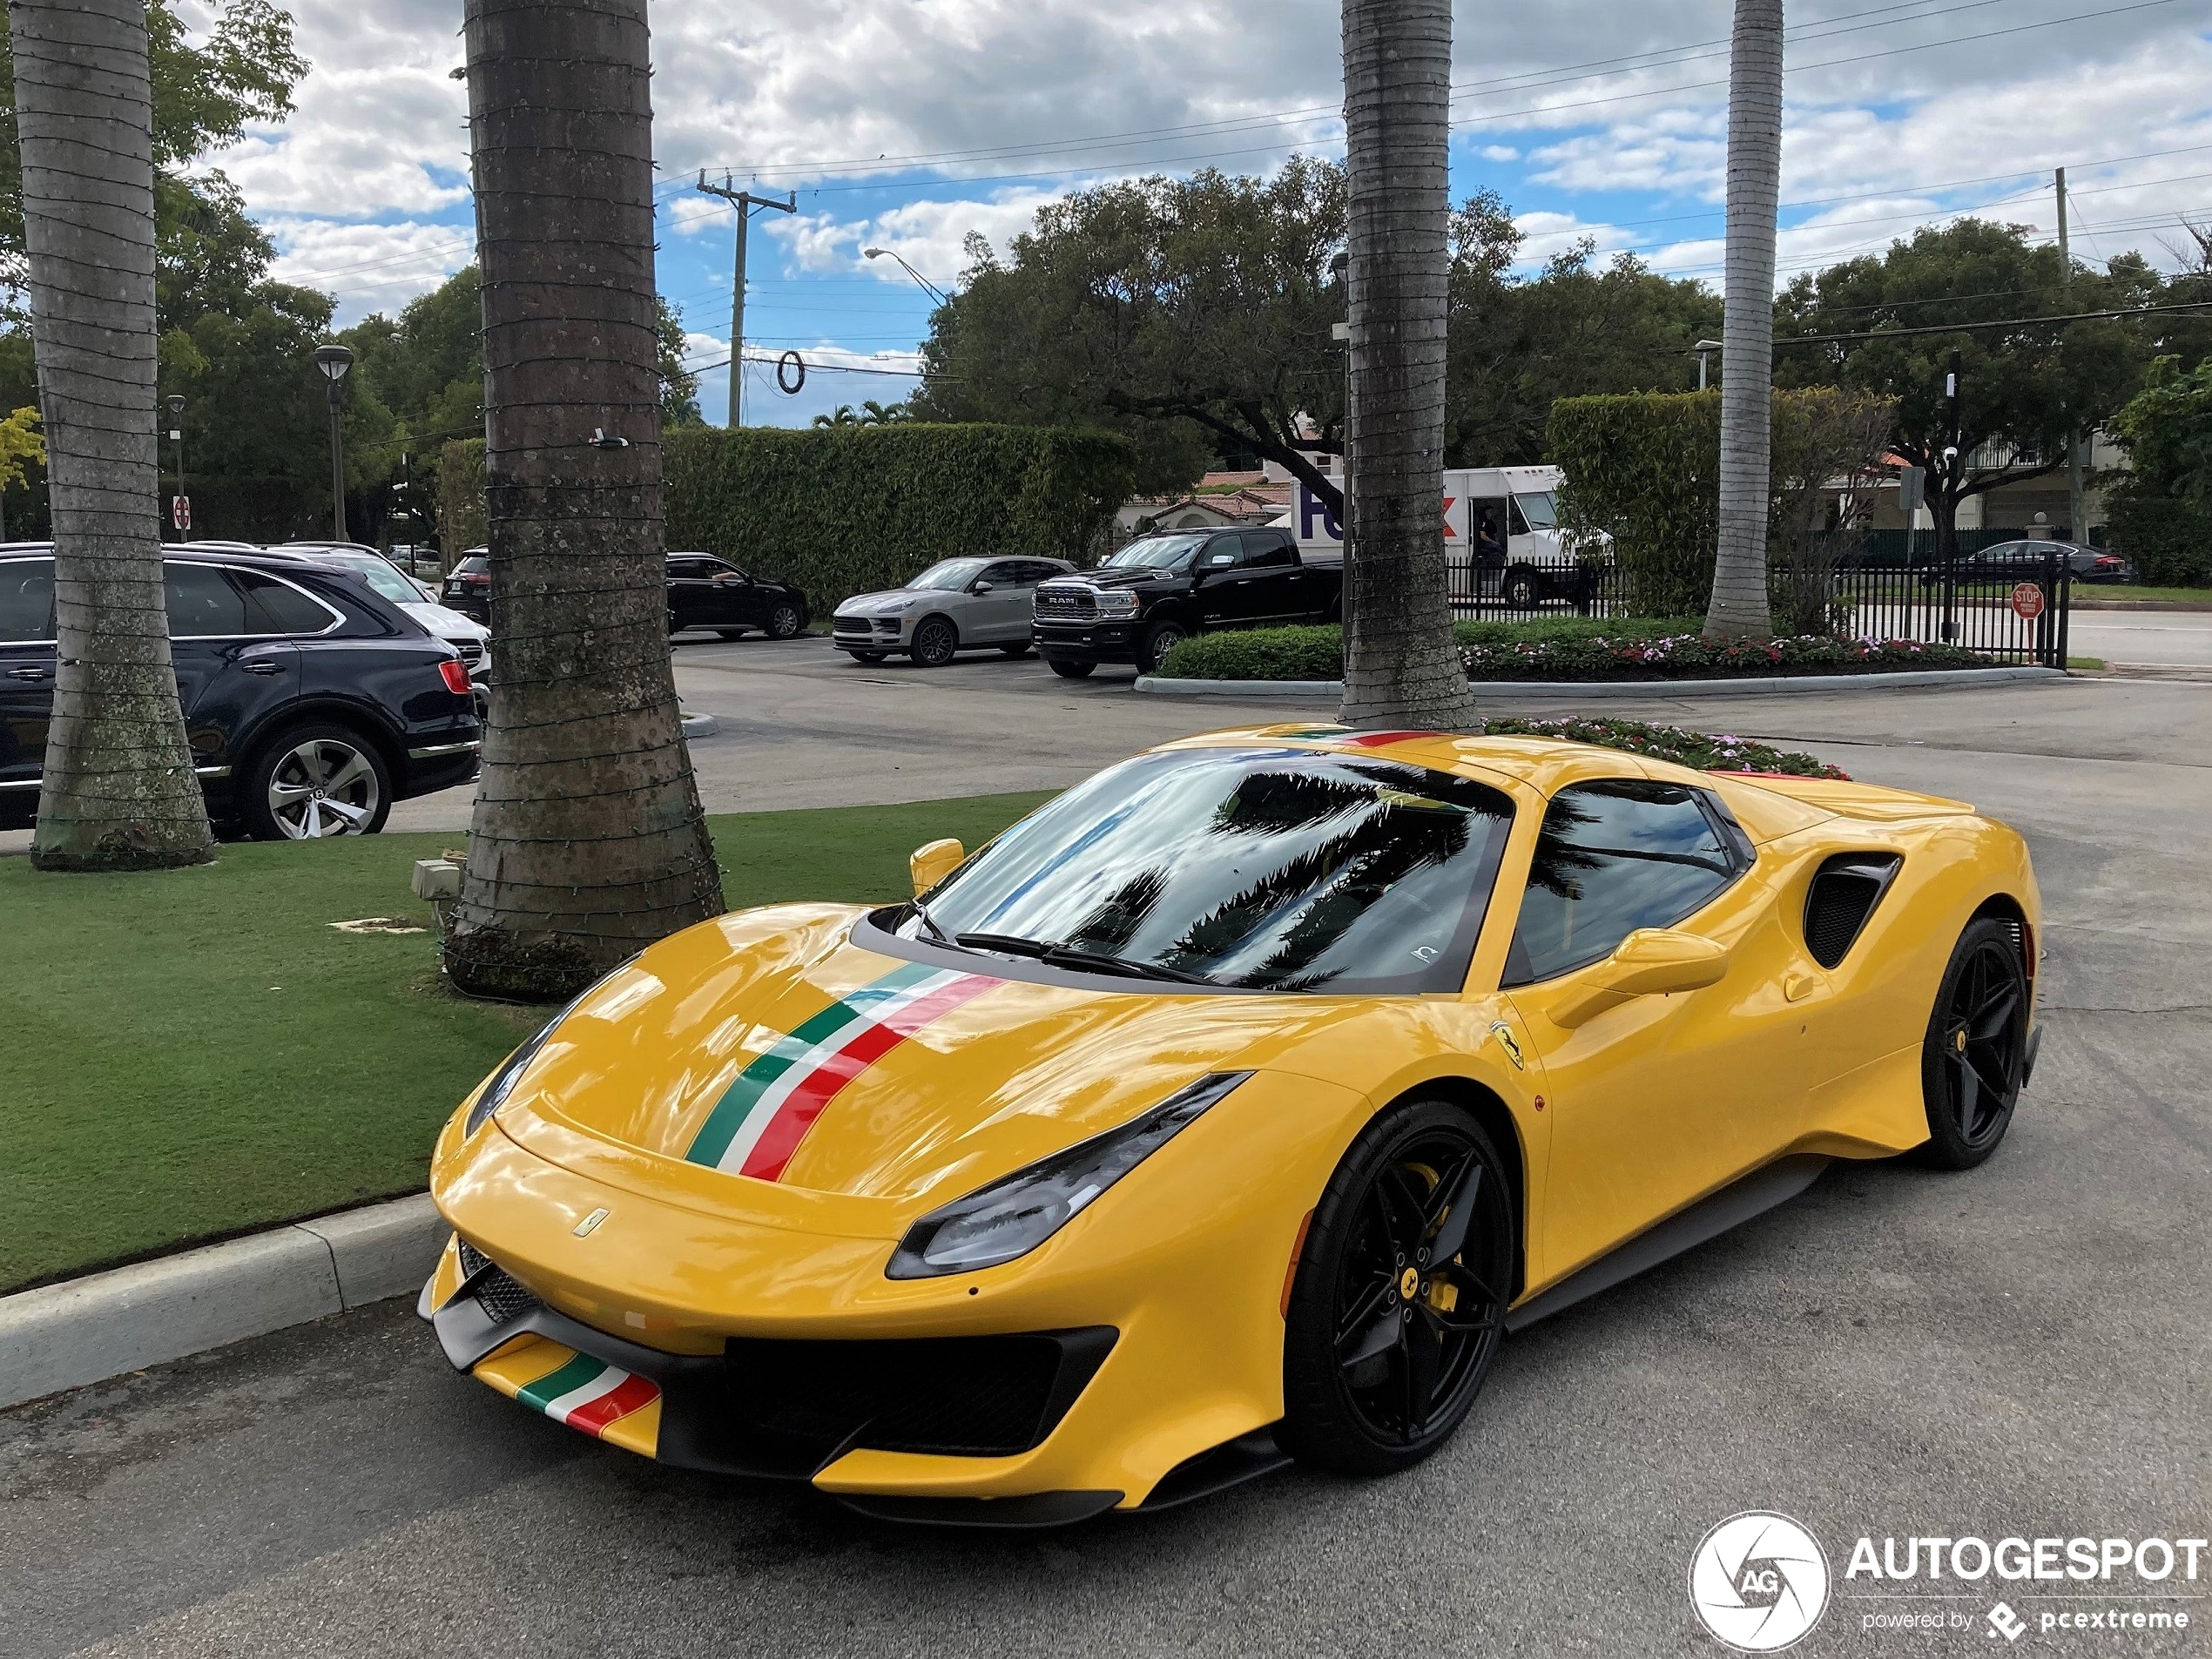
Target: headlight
[1117,602]
[502,1082]
[1012,1217]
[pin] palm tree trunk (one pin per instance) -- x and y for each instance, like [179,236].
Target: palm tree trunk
[1401,668]
[1739,609]
[118,791]
[588,841]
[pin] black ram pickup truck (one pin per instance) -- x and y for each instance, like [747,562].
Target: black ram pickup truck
[1161,589]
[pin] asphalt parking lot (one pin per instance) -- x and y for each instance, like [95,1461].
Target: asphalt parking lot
[2021,1350]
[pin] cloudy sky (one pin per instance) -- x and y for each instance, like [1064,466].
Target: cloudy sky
[908,123]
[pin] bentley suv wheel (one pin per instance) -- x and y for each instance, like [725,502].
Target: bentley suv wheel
[1398,1303]
[315,781]
[1974,1059]
[935,642]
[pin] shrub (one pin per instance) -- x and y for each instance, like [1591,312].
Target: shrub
[1693,749]
[841,510]
[1690,656]
[2168,541]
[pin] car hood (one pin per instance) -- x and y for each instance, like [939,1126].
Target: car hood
[941,1081]
[445,623]
[865,604]
[1133,577]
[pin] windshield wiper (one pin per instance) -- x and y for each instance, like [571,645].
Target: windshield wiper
[922,915]
[1069,956]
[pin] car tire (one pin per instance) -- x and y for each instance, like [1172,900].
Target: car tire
[871,657]
[731,633]
[1070,668]
[786,620]
[935,640]
[274,799]
[1159,639]
[1519,589]
[1974,1058]
[1358,1350]
[1019,648]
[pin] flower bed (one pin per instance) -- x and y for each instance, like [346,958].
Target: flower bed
[1688,656]
[1693,749]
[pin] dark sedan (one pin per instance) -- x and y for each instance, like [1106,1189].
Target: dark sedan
[2028,556]
[310,703]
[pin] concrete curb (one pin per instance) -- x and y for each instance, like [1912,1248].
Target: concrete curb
[1493,689]
[83,1331]
[699,726]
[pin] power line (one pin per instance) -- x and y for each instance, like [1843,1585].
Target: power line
[2002,322]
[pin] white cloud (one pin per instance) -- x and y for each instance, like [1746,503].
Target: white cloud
[929,235]
[375,267]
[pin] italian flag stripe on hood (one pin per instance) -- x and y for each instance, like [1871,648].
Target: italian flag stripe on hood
[766,1110]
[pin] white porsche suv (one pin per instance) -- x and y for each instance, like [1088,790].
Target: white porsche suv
[955,605]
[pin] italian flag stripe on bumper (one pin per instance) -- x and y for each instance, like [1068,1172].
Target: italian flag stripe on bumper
[765,1113]
[589,1395]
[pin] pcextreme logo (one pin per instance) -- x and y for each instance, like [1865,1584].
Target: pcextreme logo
[1759,1582]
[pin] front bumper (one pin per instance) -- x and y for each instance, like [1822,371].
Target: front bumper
[1116,1361]
[1102,641]
[869,633]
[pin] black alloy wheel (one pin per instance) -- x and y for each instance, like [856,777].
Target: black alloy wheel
[935,642]
[1398,1303]
[1159,639]
[786,620]
[1975,1057]
[1521,590]
[1070,668]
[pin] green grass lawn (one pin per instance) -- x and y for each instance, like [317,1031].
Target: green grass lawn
[2132,595]
[198,1052]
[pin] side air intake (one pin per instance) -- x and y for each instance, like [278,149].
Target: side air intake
[1844,892]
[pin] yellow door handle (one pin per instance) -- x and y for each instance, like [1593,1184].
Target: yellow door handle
[1796,985]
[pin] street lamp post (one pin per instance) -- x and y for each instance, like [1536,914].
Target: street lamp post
[927,286]
[333,360]
[180,510]
[1703,348]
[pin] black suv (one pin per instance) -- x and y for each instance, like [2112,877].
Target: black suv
[311,703]
[467,585]
[1161,589]
[707,592]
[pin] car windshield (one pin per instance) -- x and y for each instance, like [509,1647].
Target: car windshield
[1157,553]
[1286,870]
[1537,507]
[385,580]
[949,575]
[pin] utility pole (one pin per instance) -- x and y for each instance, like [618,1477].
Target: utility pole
[745,201]
[1947,524]
[2076,531]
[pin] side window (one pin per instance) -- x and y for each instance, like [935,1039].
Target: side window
[1520,519]
[1005,574]
[1032,572]
[1267,549]
[1218,554]
[27,599]
[202,603]
[274,607]
[1615,856]
[690,569]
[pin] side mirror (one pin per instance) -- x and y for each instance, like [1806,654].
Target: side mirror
[1651,961]
[980,587]
[932,863]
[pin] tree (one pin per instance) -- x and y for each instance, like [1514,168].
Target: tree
[1739,604]
[2024,385]
[2168,429]
[1187,313]
[587,840]
[118,791]
[1402,667]
[870,412]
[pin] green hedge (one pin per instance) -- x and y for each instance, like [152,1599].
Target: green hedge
[1317,653]
[2169,542]
[461,497]
[841,510]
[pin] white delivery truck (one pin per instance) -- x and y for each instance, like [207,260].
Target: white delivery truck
[1501,537]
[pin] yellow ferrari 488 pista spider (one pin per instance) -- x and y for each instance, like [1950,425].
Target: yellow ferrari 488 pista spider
[1233,1107]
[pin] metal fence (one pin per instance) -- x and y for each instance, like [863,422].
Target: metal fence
[2014,610]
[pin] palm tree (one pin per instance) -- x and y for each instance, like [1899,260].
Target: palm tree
[588,841]
[1400,666]
[118,791]
[1739,609]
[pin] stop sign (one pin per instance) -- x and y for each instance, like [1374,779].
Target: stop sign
[2027,601]
[180,511]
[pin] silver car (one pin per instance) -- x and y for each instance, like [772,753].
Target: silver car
[955,605]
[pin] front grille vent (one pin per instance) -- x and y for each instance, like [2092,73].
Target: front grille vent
[1845,891]
[502,1297]
[1074,601]
[473,1261]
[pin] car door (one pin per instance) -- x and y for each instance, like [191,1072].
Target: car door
[996,610]
[692,602]
[26,670]
[732,595]
[1660,1099]
[1268,580]
[237,666]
